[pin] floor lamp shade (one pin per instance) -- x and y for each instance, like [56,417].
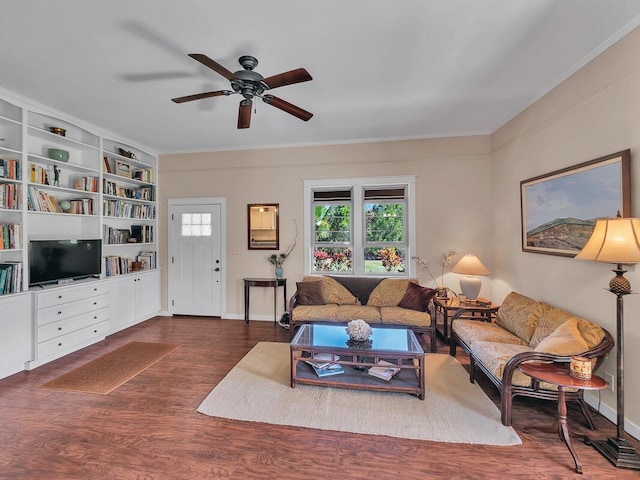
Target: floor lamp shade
[616,241]
[470,266]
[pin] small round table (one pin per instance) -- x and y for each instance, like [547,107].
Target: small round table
[558,374]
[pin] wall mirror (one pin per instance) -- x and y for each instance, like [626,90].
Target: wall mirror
[263,226]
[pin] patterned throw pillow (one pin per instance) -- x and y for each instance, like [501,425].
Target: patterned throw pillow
[564,340]
[389,292]
[332,291]
[417,297]
[519,315]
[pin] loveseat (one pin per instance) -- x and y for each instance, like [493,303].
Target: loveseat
[377,301]
[527,330]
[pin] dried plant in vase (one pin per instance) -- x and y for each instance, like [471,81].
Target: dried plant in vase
[446,259]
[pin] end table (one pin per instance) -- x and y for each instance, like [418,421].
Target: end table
[445,308]
[559,374]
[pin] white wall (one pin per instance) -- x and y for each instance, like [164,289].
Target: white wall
[594,113]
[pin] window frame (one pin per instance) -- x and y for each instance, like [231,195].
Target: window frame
[358,186]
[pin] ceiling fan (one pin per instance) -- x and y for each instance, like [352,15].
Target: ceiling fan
[251,84]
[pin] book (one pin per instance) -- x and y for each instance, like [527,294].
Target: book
[331,369]
[386,371]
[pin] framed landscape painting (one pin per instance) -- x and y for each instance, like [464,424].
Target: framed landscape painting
[560,209]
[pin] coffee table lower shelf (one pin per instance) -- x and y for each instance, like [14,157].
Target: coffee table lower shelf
[410,378]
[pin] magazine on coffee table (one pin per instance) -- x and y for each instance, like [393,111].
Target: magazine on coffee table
[386,371]
[323,364]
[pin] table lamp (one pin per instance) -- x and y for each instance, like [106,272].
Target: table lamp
[470,266]
[616,241]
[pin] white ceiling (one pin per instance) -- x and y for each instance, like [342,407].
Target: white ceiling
[381,69]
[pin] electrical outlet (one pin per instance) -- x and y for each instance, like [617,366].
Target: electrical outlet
[611,381]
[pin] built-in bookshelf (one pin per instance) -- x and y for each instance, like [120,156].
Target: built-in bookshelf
[128,207]
[12,254]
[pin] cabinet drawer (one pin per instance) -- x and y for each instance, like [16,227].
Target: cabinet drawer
[65,344]
[71,309]
[61,295]
[63,327]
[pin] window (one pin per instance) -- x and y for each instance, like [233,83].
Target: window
[196,225]
[361,228]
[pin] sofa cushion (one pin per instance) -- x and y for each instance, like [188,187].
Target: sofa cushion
[345,313]
[565,340]
[471,331]
[315,313]
[553,317]
[404,316]
[417,297]
[389,292]
[519,315]
[310,293]
[332,291]
[494,356]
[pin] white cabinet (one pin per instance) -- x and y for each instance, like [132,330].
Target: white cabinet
[15,339]
[136,297]
[68,318]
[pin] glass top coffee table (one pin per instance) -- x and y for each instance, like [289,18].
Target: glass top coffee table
[390,350]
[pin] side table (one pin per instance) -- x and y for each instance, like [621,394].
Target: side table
[445,308]
[559,374]
[265,282]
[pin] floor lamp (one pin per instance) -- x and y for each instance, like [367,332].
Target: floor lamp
[616,241]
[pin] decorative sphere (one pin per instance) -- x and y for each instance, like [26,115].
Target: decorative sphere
[65,205]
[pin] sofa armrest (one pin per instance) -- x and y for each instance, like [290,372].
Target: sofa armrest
[598,352]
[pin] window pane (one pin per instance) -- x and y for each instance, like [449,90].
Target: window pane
[197,230]
[332,223]
[384,222]
[186,230]
[206,219]
[186,219]
[384,260]
[335,259]
[206,230]
[197,218]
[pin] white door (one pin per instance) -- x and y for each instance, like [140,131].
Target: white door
[195,262]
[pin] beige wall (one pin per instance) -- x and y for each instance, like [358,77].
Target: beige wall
[452,185]
[592,114]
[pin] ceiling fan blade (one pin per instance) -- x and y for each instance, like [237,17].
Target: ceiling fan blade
[287,107]
[244,113]
[212,64]
[199,96]
[298,75]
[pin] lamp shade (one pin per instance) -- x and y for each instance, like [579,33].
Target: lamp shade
[614,240]
[470,265]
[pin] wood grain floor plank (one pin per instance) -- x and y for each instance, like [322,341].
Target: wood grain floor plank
[149,429]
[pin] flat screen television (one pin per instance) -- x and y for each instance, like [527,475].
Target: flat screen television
[53,260]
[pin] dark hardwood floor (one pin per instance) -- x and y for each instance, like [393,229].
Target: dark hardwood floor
[149,428]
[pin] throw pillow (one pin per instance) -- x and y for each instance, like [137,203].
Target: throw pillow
[417,297]
[564,340]
[389,292]
[519,315]
[310,293]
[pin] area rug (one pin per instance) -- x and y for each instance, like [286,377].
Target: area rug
[454,410]
[108,372]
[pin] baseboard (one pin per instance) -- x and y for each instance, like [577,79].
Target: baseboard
[611,414]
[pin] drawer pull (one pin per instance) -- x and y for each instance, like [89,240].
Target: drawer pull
[60,344]
[59,296]
[95,331]
[59,328]
[95,303]
[95,317]
[59,313]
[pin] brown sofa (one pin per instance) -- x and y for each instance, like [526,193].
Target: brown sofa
[526,330]
[378,301]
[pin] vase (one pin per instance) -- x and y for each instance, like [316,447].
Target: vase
[278,272]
